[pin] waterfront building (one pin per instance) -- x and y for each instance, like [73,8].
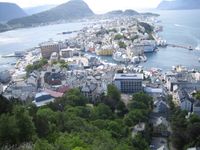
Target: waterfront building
[105,50]
[47,48]
[146,45]
[129,83]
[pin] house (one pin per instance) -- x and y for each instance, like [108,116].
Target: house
[54,78]
[160,127]
[34,79]
[89,91]
[42,99]
[196,107]
[160,106]
[138,128]
[183,100]
[171,82]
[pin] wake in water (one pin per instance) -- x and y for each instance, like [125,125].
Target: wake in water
[179,25]
[198,47]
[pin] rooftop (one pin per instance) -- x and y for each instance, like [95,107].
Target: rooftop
[129,76]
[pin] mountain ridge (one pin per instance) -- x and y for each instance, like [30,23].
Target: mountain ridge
[74,9]
[10,11]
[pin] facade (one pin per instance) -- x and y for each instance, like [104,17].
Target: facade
[42,99]
[183,100]
[160,106]
[48,48]
[129,83]
[196,107]
[67,53]
[89,91]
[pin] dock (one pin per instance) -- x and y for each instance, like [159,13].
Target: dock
[162,43]
[182,46]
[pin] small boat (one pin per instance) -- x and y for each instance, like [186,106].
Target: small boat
[190,48]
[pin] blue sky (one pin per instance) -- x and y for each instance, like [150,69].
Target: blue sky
[98,6]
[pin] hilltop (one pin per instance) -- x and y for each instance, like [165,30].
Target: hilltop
[128,12]
[74,9]
[10,11]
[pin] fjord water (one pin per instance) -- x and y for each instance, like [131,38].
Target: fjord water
[180,27]
[23,39]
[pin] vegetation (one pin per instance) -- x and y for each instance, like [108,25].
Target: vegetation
[197,95]
[186,131]
[185,128]
[122,44]
[118,37]
[71,123]
[38,65]
[61,63]
[148,28]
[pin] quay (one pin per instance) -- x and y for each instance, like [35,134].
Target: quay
[181,46]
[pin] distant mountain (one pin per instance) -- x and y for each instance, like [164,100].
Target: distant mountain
[38,9]
[179,4]
[10,11]
[74,9]
[128,12]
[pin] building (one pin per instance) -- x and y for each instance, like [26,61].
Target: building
[196,107]
[42,99]
[183,100]
[47,48]
[129,83]
[54,57]
[160,106]
[89,91]
[67,53]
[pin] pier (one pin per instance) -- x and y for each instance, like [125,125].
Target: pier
[182,46]
[162,43]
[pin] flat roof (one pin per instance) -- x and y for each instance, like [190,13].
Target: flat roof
[137,76]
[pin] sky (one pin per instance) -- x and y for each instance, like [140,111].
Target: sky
[98,6]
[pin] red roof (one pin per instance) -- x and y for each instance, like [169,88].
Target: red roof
[63,89]
[53,93]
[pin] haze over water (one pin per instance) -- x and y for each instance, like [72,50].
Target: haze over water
[180,27]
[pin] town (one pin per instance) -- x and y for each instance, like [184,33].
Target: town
[49,71]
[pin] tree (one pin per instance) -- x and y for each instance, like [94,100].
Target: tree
[118,37]
[9,132]
[134,117]
[139,143]
[121,109]
[75,98]
[5,105]
[141,101]
[122,44]
[102,111]
[45,122]
[69,141]
[43,144]
[24,124]
[113,92]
